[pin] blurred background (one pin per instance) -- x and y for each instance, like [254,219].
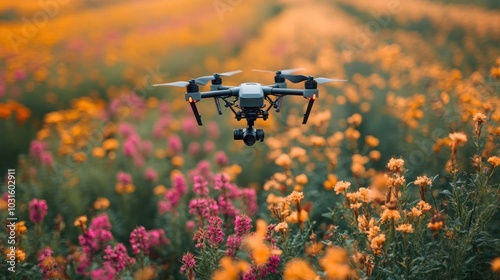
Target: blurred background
[55,51]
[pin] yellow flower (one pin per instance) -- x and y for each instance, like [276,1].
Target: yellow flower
[405,228]
[314,248]
[101,203]
[494,161]
[341,186]
[20,255]
[145,273]
[318,141]
[299,269]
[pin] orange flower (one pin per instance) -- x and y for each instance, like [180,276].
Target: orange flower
[435,226]
[495,265]
[330,182]
[177,161]
[375,155]
[396,165]
[159,190]
[145,273]
[377,244]
[301,179]
[101,203]
[355,120]
[284,161]
[299,269]
[98,152]
[389,214]
[371,141]
[341,186]
[423,181]
[230,270]
[21,227]
[110,144]
[459,138]
[82,220]
[494,161]
[336,263]
[405,228]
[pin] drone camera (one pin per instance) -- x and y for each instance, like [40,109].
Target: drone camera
[249,135]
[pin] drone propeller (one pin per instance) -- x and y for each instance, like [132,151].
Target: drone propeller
[174,84]
[200,80]
[300,78]
[280,72]
[205,79]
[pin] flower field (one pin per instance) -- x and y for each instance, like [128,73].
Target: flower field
[395,175]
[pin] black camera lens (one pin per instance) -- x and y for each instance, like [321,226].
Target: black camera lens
[249,137]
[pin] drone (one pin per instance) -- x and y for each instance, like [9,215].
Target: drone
[248,100]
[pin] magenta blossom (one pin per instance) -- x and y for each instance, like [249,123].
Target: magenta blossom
[103,273]
[37,210]
[139,239]
[221,158]
[157,238]
[124,178]
[118,258]
[100,222]
[151,175]
[214,234]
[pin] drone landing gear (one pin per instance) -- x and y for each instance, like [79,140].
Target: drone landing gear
[308,110]
[195,112]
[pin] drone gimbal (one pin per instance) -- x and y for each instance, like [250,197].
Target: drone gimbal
[247,101]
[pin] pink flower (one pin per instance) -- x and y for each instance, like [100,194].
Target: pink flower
[117,258]
[147,147]
[94,240]
[46,159]
[100,222]
[214,234]
[226,206]
[188,264]
[179,184]
[157,238]
[232,245]
[200,186]
[126,129]
[213,130]
[124,178]
[190,127]
[242,225]
[175,144]
[221,158]
[221,182]
[203,207]
[107,272]
[151,174]
[249,198]
[139,239]
[194,149]
[37,147]
[190,225]
[160,126]
[37,210]
[209,146]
